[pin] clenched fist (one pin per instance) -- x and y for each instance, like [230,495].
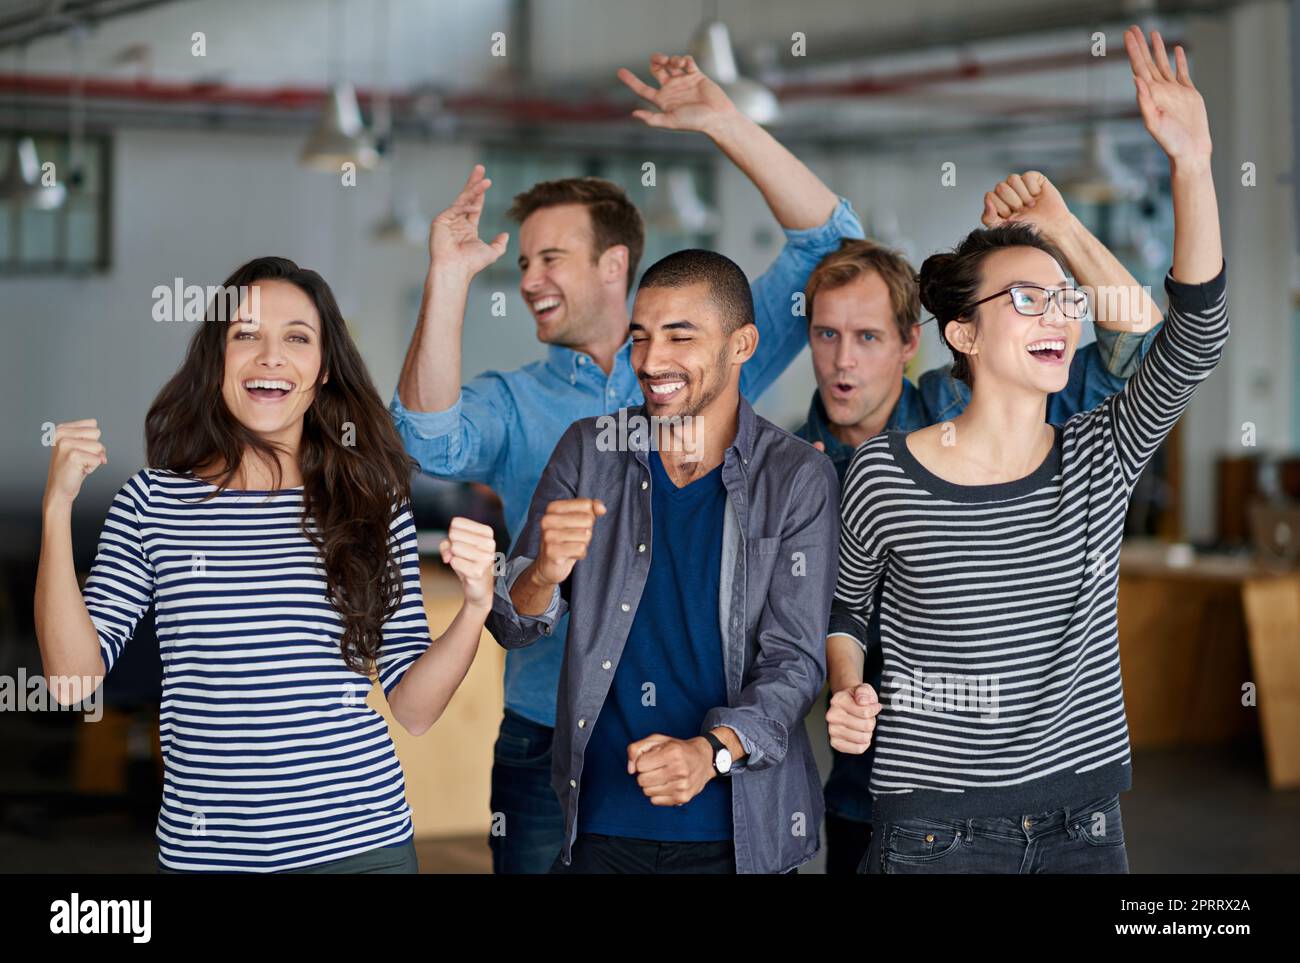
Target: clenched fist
[77,452]
[851,719]
[1028,198]
[566,535]
[470,550]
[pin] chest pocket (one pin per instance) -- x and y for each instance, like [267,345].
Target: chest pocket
[763,556]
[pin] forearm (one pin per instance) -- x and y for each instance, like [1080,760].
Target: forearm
[1198,246]
[418,701]
[796,196]
[845,662]
[66,635]
[430,379]
[1118,301]
[531,594]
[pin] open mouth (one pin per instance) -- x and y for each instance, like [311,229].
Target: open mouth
[545,308]
[842,390]
[1048,351]
[268,389]
[665,390]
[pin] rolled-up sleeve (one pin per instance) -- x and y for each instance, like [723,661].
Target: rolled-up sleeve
[783,331]
[508,626]
[789,668]
[465,442]
[559,480]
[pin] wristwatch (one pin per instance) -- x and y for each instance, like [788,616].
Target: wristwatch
[721,755]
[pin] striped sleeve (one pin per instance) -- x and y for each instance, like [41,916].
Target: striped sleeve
[120,587]
[406,633]
[861,565]
[1183,354]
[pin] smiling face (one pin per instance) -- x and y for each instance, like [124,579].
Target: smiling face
[567,287]
[858,353]
[273,355]
[1008,348]
[681,353]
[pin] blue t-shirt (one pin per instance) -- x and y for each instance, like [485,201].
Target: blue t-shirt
[670,673]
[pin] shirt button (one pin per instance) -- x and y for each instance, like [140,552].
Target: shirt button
[582,723]
[606,664]
[641,547]
[645,485]
[582,359]
[573,784]
[625,607]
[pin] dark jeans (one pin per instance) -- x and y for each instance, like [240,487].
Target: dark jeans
[527,822]
[1088,838]
[386,859]
[618,854]
[847,841]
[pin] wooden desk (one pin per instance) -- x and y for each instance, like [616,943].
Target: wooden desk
[448,769]
[1192,636]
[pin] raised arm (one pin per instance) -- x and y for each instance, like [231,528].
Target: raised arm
[688,100]
[1175,116]
[430,379]
[1119,303]
[419,678]
[1190,343]
[120,587]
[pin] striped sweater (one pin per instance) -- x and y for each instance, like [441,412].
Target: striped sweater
[1001,690]
[272,759]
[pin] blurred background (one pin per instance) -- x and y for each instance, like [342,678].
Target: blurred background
[187,137]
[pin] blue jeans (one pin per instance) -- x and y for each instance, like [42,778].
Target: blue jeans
[593,853]
[1088,838]
[527,822]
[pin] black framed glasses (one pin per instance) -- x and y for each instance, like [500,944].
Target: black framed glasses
[1032,300]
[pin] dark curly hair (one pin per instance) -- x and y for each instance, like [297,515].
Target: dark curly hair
[351,492]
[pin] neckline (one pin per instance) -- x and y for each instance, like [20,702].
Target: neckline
[994,491]
[190,476]
[690,487]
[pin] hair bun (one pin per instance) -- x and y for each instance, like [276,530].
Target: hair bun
[934,283]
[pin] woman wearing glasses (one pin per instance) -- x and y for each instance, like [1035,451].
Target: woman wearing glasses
[1001,739]
[274,539]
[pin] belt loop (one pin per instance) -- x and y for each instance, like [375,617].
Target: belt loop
[970,831]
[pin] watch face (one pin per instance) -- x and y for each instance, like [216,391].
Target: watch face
[722,761]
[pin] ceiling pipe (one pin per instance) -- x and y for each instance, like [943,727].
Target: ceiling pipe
[541,109]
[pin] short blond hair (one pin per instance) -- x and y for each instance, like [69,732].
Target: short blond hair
[855,259]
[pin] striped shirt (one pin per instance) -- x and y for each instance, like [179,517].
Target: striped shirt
[1001,686]
[272,759]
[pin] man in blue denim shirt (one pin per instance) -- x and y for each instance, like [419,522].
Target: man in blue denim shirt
[693,553]
[864,326]
[580,240]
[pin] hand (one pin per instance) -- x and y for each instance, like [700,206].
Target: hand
[453,236]
[1028,198]
[671,772]
[1172,108]
[686,98]
[566,534]
[820,446]
[76,453]
[851,718]
[470,549]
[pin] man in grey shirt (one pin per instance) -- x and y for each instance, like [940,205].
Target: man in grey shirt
[695,545]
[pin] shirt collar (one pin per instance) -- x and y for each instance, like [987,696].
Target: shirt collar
[566,362]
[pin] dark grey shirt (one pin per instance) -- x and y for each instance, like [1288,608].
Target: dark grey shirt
[780,554]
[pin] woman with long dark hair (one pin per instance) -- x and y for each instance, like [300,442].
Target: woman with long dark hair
[1001,739]
[273,535]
